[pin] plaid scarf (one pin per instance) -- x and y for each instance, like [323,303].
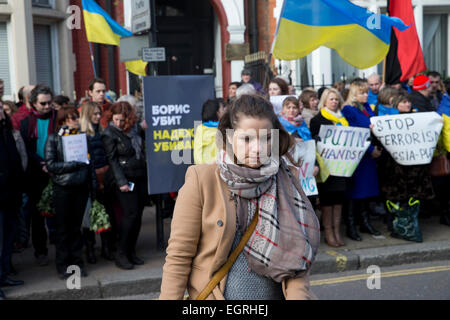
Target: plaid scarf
[285,241]
[65,131]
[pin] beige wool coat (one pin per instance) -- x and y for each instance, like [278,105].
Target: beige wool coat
[202,233]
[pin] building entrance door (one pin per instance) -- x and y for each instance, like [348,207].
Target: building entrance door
[186,30]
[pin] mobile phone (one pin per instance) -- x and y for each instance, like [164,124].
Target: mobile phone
[131,185]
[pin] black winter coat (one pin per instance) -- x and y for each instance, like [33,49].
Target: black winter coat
[124,165]
[11,172]
[98,153]
[422,103]
[66,174]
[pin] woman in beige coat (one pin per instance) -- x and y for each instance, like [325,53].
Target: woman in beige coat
[218,202]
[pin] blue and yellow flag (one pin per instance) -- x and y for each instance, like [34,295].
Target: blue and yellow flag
[360,37]
[101,28]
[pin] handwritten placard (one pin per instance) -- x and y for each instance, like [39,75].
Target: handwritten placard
[410,138]
[342,148]
[308,159]
[75,148]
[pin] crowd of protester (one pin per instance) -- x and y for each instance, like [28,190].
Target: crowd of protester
[378,177]
[31,132]
[31,150]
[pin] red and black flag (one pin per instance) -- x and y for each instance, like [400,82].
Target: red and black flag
[405,57]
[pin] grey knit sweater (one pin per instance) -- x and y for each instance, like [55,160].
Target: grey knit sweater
[244,284]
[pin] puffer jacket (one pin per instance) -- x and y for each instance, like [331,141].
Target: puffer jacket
[124,165]
[66,174]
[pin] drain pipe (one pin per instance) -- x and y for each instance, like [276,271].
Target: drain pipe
[254,26]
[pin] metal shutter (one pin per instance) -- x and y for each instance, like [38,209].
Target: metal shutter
[4,59]
[43,51]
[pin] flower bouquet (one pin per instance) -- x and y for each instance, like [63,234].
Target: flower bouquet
[99,219]
[45,205]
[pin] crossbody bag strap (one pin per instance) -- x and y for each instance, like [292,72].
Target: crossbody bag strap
[219,275]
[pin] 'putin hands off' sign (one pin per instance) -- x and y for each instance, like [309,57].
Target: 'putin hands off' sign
[342,148]
[410,138]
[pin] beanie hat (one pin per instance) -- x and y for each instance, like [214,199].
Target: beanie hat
[421,82]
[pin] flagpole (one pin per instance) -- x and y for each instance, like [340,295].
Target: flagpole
[92,59]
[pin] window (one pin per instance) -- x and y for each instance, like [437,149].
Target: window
[4,59]
[42,3]
[43,52]
[435,42]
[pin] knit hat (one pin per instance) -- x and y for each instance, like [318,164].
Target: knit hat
[421,82]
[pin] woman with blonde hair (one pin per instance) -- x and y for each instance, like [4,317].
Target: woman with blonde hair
[332,191]
[91,115]
[364,182]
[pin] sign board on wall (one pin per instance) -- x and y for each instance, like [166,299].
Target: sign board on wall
[141,20]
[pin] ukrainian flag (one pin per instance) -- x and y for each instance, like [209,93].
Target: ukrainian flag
[359,36]
[101,28]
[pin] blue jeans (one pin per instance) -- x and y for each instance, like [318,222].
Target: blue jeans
[7,233]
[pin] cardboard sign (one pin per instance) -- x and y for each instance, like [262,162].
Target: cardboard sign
[277,102]
[410,138]
[342,148]
[75,148]
[307,154]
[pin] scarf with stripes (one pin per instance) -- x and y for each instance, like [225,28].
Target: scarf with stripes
[285,241]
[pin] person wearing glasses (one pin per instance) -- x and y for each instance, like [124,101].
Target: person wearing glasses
[35,129]
[72,182]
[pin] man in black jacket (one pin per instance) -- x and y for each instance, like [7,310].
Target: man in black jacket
[34,130]
[10,197]
[435,84]
[421,93]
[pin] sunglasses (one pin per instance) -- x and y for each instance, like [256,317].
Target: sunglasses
[49,103]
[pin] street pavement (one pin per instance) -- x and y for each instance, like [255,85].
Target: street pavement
[106,281]
[424,281]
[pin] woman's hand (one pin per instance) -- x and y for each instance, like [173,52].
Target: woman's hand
[144,125]
[125,188]
[316,171]
[376,152]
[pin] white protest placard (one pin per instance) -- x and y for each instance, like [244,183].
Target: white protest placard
[410,138]
[75,148]
[342,148]
[307,156]
[277,102]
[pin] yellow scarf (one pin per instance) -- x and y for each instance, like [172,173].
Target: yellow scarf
[327,115]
